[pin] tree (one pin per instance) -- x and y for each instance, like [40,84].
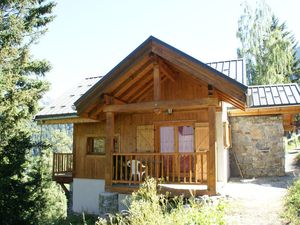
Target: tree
[269,50]
[21,86]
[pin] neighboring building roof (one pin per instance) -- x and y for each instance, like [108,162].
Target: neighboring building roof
[273,95]
[234,69]
[64,105]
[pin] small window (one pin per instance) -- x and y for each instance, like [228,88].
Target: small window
[96,145]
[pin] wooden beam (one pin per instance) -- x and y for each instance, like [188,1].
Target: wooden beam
[133,79]
[109,147]
[113,79]
[265,111]
[202,72]
[138,87]
[226,98]
[212,148]
[156,82]
[148,89]
[66,120]
[163,105]
[166,70]
[141,90]
[110,99]
[101,116]
[95,111]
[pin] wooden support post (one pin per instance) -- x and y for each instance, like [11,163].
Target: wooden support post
[109,146]
[212,147]
[156,82]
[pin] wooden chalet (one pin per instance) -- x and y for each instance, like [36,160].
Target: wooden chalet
[158,113]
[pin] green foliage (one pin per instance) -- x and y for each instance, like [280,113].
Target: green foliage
[59,137]
[16,182]
[76,220]
[23,185]
[52,196]
[149,207]
[269,50]
[292,204]
[292,143]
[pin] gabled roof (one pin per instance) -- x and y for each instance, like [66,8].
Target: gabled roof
[273,95]
[230,72]
[64,105]
[227,87]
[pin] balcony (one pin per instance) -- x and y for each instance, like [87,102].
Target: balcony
[62,170]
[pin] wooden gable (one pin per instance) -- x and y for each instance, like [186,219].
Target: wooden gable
[150,73]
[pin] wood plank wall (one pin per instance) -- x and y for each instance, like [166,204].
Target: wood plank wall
[93,166]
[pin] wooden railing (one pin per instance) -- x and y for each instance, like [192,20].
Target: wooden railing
[62,164]
[187,168]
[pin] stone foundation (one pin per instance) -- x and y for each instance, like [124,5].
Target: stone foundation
[258,144]
[108,203]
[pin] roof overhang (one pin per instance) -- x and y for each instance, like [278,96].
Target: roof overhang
[62,119]
[229,89]
[260,111]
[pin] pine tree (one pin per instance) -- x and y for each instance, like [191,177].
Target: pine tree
[269,50]
[21,86]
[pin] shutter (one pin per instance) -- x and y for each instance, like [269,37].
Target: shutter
[201,137]
[201,144]
[145,138]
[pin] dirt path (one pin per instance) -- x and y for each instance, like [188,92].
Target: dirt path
[259,201]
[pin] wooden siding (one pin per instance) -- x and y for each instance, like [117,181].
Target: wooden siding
[186,88]
[126,125]
[88,166]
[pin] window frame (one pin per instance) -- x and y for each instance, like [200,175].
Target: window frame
[90,145]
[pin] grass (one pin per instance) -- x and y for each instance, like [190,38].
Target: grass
[149,207]
[292,204]
[77,220]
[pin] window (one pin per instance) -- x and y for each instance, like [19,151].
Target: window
[182,141]
[96,145]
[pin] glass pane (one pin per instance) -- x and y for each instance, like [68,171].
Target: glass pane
[99,145]
[167,139]
[186,139]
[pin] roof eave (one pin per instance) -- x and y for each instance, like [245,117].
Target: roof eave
[55,116]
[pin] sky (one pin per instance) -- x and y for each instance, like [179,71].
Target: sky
[88,38]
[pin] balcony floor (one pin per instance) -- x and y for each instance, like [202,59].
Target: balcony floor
[66,177]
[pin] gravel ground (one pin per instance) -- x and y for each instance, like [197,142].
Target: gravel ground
[259,200]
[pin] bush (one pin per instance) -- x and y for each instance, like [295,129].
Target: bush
[76,220]
[292,203]
[149,207]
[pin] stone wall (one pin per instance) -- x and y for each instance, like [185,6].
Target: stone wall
[258,144]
